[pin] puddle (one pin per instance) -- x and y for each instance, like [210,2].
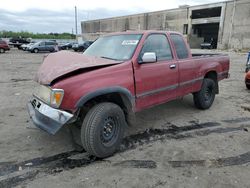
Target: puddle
[172,131]
[14,80]
[220,130]
[20,80]
[246,108]
[13,181]
[137,164]
[221,162]
[237,120]
[9,168]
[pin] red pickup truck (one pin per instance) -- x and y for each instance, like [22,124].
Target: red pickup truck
[98,92]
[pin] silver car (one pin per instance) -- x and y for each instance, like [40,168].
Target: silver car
[44,46]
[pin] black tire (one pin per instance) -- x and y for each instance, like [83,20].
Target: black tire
[35,50]
[2,50]
[103,129]
[204,98]
[247,86]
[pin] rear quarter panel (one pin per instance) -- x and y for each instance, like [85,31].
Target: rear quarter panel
[218,63]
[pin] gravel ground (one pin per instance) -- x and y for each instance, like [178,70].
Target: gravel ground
[171,145]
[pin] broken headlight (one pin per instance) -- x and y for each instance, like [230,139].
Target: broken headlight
[52,97]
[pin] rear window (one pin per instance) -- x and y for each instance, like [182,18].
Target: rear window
[180,46]
[49,43]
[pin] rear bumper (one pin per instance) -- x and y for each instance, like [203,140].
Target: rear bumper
[47,118]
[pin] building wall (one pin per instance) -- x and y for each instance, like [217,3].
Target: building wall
[234,30]
[161,20]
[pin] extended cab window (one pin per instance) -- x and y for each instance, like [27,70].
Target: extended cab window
[159,44]
[180,46]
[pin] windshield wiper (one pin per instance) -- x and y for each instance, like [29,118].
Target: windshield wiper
[110,58]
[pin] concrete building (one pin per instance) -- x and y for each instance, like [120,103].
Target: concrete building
[227,23]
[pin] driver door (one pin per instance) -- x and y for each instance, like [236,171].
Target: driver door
[156,82]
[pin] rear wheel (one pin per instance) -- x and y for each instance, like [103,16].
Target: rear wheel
[103,129]
[2,50]
[204,98]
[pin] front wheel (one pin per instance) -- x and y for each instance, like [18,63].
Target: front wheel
[103,129]
[204,98]
[2,50]
[36,50]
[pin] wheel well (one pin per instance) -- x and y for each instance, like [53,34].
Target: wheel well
[118,98]
[213,75]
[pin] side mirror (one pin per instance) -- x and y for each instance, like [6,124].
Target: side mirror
[149,57]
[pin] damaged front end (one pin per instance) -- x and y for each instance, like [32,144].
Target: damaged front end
[44,107]
[44,112]
[47,118]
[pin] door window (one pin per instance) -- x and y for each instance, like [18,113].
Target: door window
[159,44]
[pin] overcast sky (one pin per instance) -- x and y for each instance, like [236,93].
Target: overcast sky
[45,16]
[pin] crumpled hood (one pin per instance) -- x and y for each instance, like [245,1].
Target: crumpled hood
[58,64]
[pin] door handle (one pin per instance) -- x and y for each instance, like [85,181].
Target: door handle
[173,66]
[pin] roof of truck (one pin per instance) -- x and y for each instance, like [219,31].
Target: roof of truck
[142,32]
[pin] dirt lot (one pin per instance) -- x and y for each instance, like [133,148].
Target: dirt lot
[172,145]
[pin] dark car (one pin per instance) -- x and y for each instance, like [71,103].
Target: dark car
[248,62]
[44,46]
[82,46]
[209,44]
[66,46]
[17,42]
[4,46]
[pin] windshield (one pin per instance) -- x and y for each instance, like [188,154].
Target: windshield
[115,47]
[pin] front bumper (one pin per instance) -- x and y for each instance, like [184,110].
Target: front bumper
[47,118]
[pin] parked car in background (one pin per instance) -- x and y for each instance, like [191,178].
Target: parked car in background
[66,46]
[18,42]
[82,46]
[44,46]
[4,46]
[248,62]
[97,93]
[26,46]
